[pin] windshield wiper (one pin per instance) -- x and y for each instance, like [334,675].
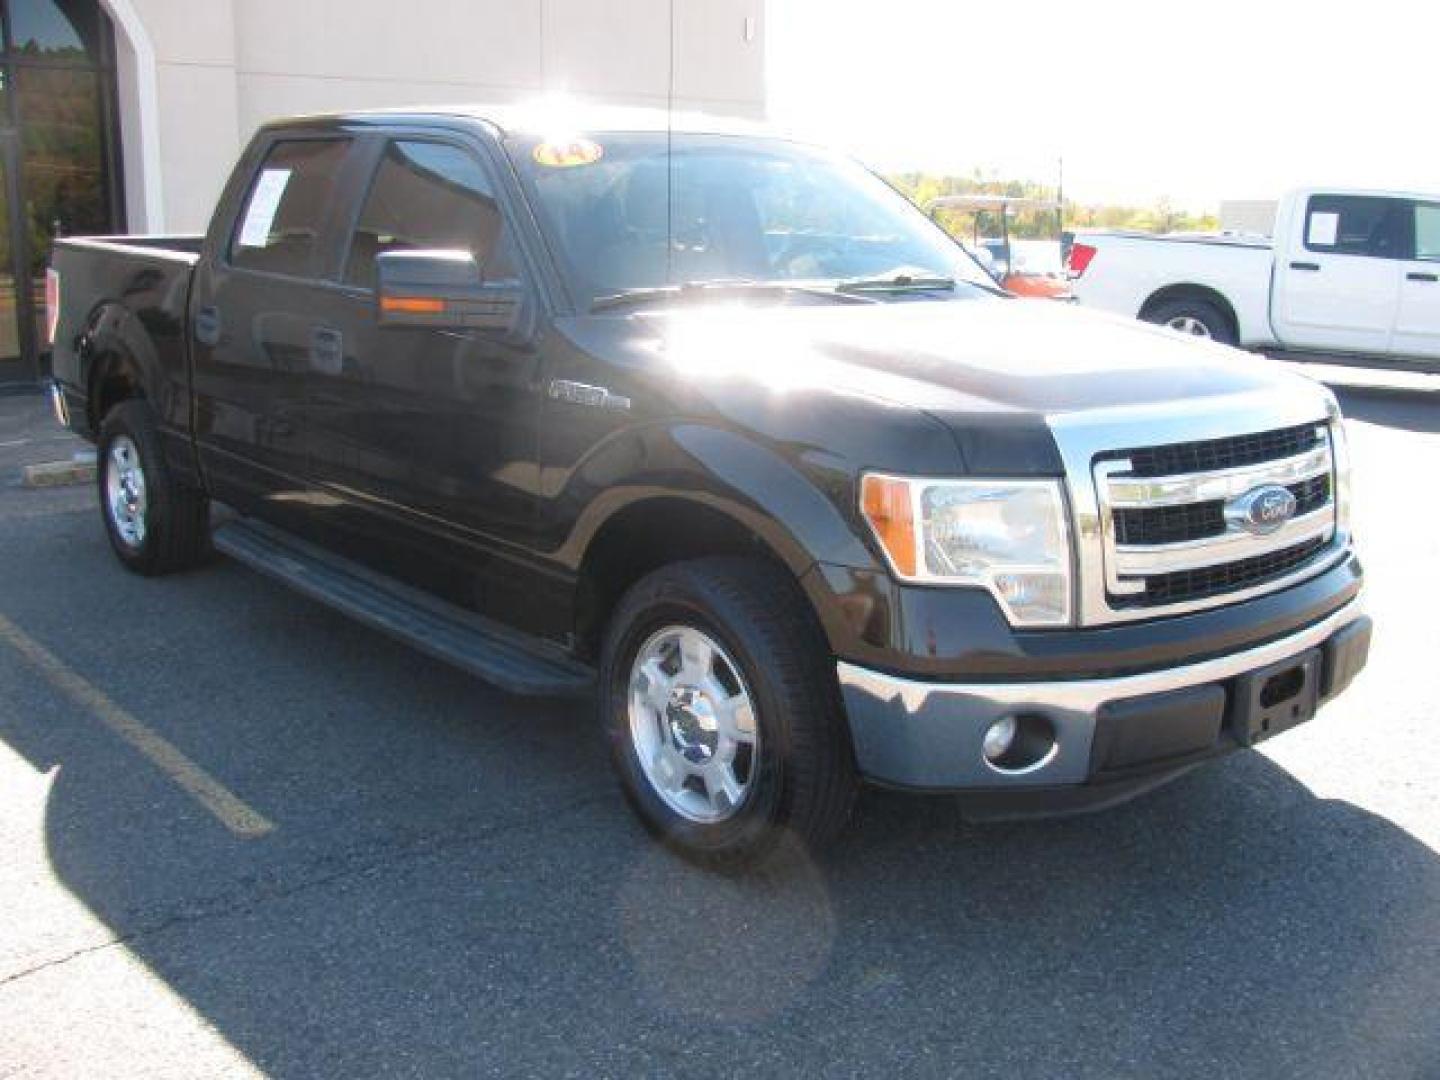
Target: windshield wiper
[897,283]
[690,290]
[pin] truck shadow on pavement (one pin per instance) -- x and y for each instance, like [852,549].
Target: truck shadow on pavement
[452,885]
[1406,410]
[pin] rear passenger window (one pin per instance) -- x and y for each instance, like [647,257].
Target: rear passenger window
[429,195]
[279,229]
[1354,225]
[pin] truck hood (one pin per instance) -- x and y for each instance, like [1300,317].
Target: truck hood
[984,356]
[1000,375]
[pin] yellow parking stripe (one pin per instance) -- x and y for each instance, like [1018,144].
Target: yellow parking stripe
[234,814]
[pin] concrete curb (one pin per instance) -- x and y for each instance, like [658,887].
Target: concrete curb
[57,474]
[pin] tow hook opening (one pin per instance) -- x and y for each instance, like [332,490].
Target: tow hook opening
[1020,743]
[1282,687]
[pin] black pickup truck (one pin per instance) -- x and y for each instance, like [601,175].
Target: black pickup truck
[719,430]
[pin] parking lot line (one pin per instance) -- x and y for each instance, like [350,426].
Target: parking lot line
[237,816]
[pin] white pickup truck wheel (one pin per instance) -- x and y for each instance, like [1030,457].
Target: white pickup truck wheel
[1194,318]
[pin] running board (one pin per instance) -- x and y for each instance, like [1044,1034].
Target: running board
[506,658]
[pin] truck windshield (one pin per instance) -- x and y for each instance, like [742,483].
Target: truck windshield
[634,212]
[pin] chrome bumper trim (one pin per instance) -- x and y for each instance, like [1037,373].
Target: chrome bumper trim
[928,734]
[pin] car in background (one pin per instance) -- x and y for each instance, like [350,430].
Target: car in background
[1351,276]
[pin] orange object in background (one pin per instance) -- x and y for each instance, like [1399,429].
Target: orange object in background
[1042,286]
[998,254]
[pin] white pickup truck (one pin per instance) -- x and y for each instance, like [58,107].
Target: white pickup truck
[1349,275]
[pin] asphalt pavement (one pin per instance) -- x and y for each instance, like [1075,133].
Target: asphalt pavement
[242,835]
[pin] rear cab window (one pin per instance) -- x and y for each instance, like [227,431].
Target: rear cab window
[280,226]
[1355,225]
[1427,232]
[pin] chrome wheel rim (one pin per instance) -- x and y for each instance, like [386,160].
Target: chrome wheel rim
[692,724]
[125,498]
[1188,324]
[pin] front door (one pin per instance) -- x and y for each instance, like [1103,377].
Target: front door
[1337,284]
[430,435]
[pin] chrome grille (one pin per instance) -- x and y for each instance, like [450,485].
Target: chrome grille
[1163,524]
[1212,455]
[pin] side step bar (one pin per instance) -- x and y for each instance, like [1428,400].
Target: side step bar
[510,660]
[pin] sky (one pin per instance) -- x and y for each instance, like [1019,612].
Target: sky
[1194,101]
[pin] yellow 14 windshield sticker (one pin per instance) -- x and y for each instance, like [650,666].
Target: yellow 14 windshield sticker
[567,153]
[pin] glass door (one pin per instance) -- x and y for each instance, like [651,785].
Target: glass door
[12,366]
[58,150]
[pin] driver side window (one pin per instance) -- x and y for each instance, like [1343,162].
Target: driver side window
[429,195]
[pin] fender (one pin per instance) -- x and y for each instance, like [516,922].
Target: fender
[751,484]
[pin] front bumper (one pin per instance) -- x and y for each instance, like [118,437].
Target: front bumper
[1112,736]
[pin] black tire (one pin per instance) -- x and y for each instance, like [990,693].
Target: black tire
[803,783]
[1217,325]
[176,518]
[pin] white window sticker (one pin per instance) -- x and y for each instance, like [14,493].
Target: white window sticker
[264,202]
[1324,228]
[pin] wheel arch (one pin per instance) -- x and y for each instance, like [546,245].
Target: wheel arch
[656,530]
[717,492]
[1193,291]
[118,360]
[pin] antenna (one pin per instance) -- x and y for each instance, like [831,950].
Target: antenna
[670,152]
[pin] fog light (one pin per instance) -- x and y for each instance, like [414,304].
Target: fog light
[999,738]
[1020,743]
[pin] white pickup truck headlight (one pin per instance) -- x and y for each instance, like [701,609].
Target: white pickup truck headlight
[1009,536]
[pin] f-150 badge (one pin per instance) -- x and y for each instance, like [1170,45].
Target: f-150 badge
[597,397]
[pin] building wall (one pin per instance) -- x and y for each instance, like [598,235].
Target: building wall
[223,67]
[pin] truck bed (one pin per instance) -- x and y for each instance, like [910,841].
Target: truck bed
[183,246]
[126,295]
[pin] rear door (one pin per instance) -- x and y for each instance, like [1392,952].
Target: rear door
[255,310]
[1337,283]
[1417,323]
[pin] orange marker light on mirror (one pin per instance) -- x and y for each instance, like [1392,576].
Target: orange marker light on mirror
[886,504]
[413,305]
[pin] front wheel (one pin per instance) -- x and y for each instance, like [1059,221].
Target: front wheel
[719,702]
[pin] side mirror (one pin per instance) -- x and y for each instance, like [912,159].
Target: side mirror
[443,290]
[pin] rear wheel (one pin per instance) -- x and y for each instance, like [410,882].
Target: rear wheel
[719,701]
[1194,317]
[155,524]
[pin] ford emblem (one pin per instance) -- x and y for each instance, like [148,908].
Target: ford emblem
[1260,510]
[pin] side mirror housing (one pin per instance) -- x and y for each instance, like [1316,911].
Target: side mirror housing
[443,290]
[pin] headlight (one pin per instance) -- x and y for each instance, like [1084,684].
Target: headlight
[1009,536]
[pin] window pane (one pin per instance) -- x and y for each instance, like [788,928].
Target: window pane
[46,30]
[62,165]
[428,195]
[279,230]
[1353,225]
[1427,231]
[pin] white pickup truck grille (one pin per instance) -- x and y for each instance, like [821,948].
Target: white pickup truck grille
[1170,532]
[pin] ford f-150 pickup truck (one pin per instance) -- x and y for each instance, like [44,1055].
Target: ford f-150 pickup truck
[1352,276]
[718,430]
